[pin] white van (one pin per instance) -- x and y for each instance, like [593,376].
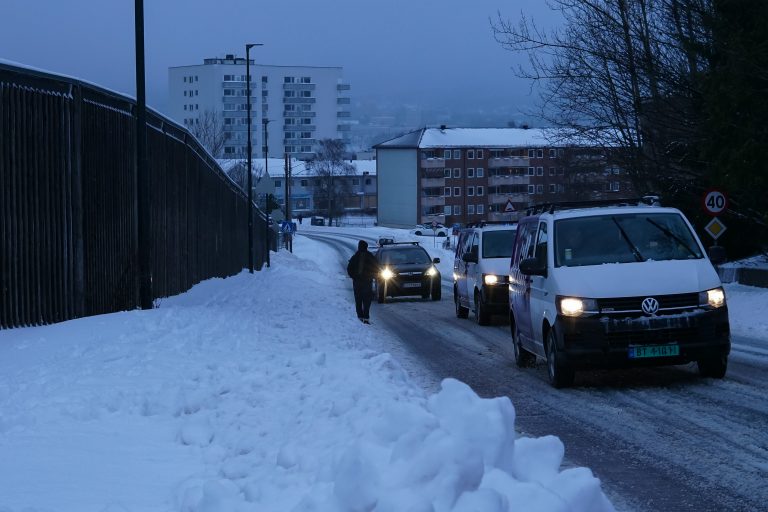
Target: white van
[614,286]
[480,268]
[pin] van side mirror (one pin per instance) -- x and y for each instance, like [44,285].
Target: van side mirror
[469,257]
[717,254]
[436,260]
[533,267]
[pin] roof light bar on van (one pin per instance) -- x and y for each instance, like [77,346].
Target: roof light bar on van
[647,200]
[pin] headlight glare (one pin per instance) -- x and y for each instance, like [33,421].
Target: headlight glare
[490,279]
[431,271]
[386,273]
[714,298]
[575,306]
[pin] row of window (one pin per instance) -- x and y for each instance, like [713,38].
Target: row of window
[302,135]
[471,209]
[472,172]
[554,188]
[189,79]
[293,80]
[190,92]
[300,108]
[471,191]
[298,149]
[192,106]
[190,121]
[301,94]
[472,154]
[303,120]
[305,183]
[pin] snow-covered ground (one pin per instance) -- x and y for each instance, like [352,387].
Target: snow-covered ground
[264,392]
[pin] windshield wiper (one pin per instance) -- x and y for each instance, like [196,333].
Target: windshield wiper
[673,237]
[633,247]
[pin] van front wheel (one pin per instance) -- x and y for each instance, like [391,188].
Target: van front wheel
[561,375]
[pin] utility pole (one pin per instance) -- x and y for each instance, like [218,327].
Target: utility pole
[266,172]
[143,203]
[287,187]
[250,151]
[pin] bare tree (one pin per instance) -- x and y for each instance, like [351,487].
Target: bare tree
[327,165]
[209,130]
[621,74]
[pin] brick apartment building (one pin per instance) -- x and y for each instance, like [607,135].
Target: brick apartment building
[460,175]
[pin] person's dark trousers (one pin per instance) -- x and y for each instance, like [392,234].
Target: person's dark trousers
[363,297]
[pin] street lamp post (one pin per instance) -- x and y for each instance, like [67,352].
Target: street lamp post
[250,151]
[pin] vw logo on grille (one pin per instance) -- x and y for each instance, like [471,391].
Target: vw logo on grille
[650,306]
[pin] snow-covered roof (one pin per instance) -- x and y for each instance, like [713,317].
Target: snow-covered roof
[427,138]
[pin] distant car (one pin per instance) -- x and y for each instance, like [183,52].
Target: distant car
[426,230]
[317,221]
[386,239]
[407,269]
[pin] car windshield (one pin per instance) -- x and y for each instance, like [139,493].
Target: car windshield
[623,238]
[498,244]
[404,256]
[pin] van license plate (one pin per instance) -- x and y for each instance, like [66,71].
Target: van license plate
[411,285]
[654,351]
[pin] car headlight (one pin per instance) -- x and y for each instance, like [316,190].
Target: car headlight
[431,272]
[387,274]
[714,298]
[575,306]
[490,278]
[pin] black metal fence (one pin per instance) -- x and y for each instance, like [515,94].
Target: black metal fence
[68,206]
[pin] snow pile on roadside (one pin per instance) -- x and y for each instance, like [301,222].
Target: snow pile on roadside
[258,392]
[747,310]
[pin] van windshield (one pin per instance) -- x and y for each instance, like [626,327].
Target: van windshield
[623,238]
[498,244]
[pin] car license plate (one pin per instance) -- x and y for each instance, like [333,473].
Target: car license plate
[411,285]
[654,351]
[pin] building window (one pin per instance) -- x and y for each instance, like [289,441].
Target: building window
[552,153]
[616,171]
[479,153]
[304,183]
[456,191]
[306,120]
[531,170]
[185,79]
[456,172]
[305,80]
[539,171]
[470,173]
[446,173]
[447,154]
[539,153]
[470,191]
[457,154]
[264,79]
[355,181]
[539,189]
[446,210]
[471,154]
[229,150]
[480,209]
[289,94]
[479,172]
[447,191]
[457,210]
[185,107]
[531,189]
[306,94]
[471,209]
[479,191]
[560,171]
[552,188]
[185,93]
[278,183]
[306,135]
[195,78]
[551,171]
[531,153]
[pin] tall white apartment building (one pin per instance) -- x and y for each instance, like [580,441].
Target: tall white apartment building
[294,106]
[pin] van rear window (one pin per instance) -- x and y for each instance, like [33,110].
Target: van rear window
[623,238]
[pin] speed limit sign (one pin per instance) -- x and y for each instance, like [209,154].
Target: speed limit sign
[715,202]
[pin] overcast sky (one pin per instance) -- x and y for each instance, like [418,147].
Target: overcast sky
[401,50]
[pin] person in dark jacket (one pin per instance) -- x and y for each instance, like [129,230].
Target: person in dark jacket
[362,268]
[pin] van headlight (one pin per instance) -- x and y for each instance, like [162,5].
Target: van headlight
[714,298]
[431,272]
[490,279]
[386,273]
[576,306]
